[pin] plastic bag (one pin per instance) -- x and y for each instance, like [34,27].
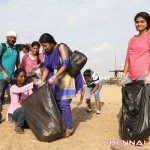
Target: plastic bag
[134,121]
[43,115]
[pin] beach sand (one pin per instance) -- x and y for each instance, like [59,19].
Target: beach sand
[91,132]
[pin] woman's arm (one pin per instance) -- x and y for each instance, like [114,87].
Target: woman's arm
[126,67]
[64,54]
[16,89]
[45,74]
[30,92]
[60,71]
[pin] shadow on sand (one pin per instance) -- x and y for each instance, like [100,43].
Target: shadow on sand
[79,114]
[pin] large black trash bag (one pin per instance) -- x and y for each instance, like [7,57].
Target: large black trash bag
[42,115]
[135,117]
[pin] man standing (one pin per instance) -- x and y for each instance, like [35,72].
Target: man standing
[9,58]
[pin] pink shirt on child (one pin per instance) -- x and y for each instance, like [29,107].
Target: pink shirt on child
[15,102]
[138,56]
[29,63]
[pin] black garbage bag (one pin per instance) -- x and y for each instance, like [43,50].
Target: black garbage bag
[43,115]
[135,117]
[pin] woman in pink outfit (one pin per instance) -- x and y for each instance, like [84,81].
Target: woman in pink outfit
[32,61]
[134,114]
[18,92]
[137,63]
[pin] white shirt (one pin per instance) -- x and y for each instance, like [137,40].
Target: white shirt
[95,79]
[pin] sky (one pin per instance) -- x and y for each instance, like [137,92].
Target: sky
[101,29]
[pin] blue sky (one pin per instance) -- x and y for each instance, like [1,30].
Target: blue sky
[99,28]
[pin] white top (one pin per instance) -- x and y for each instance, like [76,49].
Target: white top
[94,80]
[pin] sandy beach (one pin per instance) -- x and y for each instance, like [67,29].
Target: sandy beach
[91,132]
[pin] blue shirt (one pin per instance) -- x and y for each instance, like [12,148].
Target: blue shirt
[8,61]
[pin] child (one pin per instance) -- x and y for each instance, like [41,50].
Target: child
[18,92]
[94,85]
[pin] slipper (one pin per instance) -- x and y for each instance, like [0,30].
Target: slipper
[68,133]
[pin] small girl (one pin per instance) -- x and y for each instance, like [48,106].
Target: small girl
[94,85]
[18,92]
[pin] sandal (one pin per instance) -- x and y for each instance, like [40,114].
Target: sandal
[19,130]
[68,133]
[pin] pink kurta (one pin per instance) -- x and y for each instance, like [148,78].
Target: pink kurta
[28,63]
[138,56]
[15,101]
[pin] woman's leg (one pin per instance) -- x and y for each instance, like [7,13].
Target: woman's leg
[97,97]
[65,109]
[66,112]
[20,119]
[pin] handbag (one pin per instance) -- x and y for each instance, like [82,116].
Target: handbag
[76,63]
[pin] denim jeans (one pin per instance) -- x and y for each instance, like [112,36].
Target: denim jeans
[130,81]
[4,85]
[96,94]
[19,117]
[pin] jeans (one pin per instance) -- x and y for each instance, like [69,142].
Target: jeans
[130,81]
[19,117]
[4,85]
[96,94]
[65,110]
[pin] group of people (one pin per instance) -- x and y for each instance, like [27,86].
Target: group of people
[51,66]
[34,70]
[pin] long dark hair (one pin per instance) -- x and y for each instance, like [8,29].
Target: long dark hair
[17,72]
[36,43]
[145,16]
[47,38]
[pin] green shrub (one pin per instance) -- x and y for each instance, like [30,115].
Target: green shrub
[110,81]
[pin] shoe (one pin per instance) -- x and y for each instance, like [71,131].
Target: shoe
[97,113]
[19,130]
[88,110]
[68,133]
